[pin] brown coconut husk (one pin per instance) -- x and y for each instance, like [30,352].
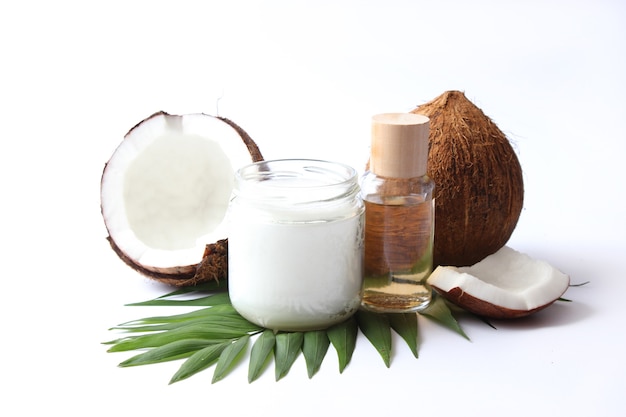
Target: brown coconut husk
[479,186]
[213,267]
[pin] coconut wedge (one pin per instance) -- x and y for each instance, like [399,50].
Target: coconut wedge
[505,285]
[165,192]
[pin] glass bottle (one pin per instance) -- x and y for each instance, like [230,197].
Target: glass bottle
[295,244]
[399,215]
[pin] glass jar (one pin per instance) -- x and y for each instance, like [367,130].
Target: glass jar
[295,245]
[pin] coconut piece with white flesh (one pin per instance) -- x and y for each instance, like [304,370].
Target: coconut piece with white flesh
[165,192]
[507,284]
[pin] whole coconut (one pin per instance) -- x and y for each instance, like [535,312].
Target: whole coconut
[479,186]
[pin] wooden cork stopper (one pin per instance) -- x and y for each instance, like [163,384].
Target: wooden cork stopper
[399,145]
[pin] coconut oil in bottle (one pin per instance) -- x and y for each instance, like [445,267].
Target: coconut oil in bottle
[399,215]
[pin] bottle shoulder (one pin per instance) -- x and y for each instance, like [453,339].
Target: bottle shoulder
[372,184]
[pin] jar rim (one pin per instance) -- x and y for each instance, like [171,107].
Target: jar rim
[290,173]
[298,190]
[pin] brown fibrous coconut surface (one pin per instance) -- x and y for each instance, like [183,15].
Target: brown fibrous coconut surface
[213,267]
[479,186]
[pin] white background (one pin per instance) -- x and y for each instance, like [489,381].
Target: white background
[303,78]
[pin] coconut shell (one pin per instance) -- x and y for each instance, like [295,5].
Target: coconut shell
[479,186]
[485,309]
[214,262]
[213,267]
[254,150]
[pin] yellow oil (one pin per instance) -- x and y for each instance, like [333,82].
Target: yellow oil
[398,254]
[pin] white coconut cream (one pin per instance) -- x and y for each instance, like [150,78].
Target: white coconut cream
[295,244]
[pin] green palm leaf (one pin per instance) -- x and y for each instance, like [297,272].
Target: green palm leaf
[229,357]
[314,349]
[377,329]
[199,361]
[178,349]
[405,324]
[209,300]
[343,337]
[439,311]
[216,334]
[260,354]
[286,351]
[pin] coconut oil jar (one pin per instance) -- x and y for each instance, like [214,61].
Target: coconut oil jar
[295,246]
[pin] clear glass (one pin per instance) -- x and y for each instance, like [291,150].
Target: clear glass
[295,245]
[399,237]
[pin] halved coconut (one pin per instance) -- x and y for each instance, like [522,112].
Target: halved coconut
[165,192]
[507,284]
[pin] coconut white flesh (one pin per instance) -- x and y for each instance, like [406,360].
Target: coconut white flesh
[165,190]
[507,279]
